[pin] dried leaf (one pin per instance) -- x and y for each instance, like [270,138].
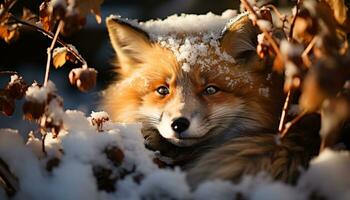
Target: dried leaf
[33,110]
[9,33]
[45,16]
[7,104]
[324,80]
[27,15]
[339,10]
[59,57]
[84,7]
[334,113]
[16,88]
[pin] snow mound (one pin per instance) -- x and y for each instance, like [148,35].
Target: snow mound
[83,163]
[328,175]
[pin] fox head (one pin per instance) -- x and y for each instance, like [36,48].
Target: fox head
[190,87]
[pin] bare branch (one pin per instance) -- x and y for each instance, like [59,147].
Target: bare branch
[284,111]
[49,52]
[292,123]
[51,36]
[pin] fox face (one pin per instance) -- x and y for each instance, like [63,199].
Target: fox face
[189,87]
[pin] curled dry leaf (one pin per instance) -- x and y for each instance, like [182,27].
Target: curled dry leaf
[85,7]
[324,80]
[33,110]
[28,15]
[7,104]
[306,26]
[83,78]
[52,119]
[339,10]
[115,154]
[45,16]
[71,12]
[72,23]
[334,113]
[9,33]
[16,88]
[59,56]
[36,99]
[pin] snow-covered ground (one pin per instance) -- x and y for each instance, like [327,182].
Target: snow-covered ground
[114,164]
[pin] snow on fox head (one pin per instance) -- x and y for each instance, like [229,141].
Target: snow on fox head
[189,77]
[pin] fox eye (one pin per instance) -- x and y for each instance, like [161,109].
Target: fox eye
[162,90]
[210,90]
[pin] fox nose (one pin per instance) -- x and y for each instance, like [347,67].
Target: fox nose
[180,124]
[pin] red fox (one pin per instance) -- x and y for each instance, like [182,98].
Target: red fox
[211,110]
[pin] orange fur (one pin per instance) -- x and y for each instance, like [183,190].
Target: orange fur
[235,108]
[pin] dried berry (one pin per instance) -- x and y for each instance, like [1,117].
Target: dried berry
[33,110]
[115,155]
[83,78]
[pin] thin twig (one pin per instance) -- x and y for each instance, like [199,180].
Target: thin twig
[304,55]
[51,36]
[49,52]
[292,123]
[8,73]
[284,111]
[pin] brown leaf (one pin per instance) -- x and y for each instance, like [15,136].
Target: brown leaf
[312,95]
[7,104]
[115,154]
[84,7]
[27,15]
[33,110]
[59,57]
[45,16]
[9,33]
[16,88]
[339,10]
[334,113]
[324,80]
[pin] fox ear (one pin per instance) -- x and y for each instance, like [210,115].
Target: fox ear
[129,42]
[239,38]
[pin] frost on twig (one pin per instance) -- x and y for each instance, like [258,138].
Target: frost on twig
[98,118]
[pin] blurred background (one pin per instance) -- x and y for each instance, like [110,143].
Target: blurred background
[27,55]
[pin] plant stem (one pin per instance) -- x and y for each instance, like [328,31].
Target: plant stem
[292,123]
[305,53]
[49,52]
[51,36]
[8,73]
[284,111]
[43,137]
